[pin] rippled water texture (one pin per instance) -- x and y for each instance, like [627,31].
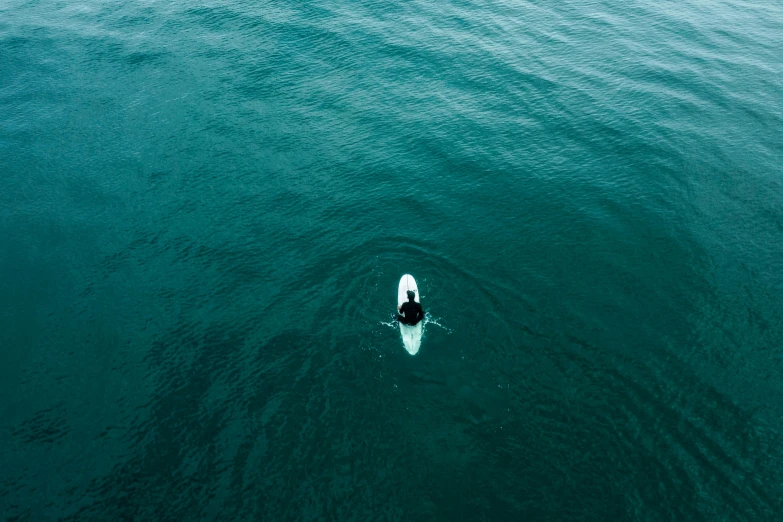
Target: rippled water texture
[205,208]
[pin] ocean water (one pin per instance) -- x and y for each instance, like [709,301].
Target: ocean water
[205,208]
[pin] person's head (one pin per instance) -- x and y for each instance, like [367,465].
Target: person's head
[411,295]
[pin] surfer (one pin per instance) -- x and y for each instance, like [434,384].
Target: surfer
[411,312]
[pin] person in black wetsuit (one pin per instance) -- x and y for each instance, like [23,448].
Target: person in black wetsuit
[411,312]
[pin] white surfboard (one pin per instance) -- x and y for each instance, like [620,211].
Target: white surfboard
[411,335]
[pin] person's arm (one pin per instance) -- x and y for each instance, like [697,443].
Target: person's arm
[401,312]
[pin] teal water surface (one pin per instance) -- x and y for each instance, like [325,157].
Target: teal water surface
[205,208]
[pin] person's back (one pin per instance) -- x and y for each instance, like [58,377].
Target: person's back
[411,312]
